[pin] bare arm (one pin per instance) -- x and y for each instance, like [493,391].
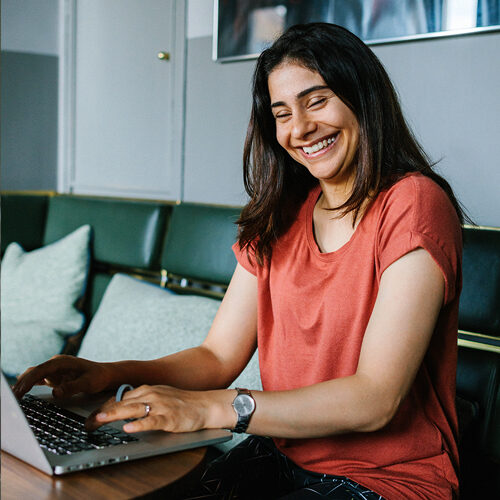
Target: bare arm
[229,345]
[396,339]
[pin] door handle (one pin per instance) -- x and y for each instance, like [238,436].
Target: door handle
[163,56]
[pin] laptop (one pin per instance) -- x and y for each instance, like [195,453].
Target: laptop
[50,436]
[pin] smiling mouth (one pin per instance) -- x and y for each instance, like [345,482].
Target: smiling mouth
[322,146]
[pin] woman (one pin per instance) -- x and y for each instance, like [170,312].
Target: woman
[348,279]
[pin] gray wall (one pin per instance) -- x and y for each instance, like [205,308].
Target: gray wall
[29,93]
[449,91]
[448,87]
[28,121]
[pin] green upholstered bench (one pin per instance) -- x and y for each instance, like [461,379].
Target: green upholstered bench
[127,235]
[187,248]
[23,219]
[478,369]
[197,254]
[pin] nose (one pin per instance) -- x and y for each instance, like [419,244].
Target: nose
[302,126]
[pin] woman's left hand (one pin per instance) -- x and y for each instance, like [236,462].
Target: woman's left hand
[170,409]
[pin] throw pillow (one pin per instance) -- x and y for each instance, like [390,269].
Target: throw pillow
[140,320]
[39,292]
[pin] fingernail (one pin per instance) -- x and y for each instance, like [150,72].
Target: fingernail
[101,415]
[128,427]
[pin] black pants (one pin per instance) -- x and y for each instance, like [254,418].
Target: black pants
[256,470]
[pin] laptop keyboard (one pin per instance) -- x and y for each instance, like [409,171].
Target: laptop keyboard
[63,432]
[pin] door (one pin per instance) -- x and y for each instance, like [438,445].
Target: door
[128,105]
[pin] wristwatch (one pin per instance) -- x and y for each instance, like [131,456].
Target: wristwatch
[244,406]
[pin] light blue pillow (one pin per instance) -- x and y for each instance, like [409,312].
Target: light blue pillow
[39,292]
[138,320]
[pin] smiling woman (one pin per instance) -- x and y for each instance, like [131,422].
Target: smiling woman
[313,125]
[348,280]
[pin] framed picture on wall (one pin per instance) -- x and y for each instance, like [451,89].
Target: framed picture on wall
[243,28]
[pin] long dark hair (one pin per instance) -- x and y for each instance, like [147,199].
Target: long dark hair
[276,183]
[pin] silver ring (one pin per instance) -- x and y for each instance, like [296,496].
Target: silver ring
[147,407]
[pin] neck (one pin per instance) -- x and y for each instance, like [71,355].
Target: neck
[334,195]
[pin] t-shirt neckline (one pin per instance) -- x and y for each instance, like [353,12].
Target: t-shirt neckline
[311,240]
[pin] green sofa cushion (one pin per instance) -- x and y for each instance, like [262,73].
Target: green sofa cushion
[478,381]
[126,233]
[39,292]
[480,298]
[198,242]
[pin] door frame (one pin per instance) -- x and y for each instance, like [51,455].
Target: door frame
[67,95]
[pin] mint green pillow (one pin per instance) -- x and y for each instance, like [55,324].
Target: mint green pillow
[39,292]
[138,320]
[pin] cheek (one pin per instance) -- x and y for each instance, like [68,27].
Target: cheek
[354,133]
[281,138]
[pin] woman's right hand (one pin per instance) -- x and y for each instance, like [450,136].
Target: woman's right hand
[67,375]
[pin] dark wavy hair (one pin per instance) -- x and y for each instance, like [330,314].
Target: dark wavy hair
[276,183]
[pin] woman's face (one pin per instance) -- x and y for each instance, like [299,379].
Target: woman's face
[312,124]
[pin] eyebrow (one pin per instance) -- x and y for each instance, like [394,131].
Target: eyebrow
[301,94]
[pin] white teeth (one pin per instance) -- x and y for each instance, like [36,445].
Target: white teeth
[320,145]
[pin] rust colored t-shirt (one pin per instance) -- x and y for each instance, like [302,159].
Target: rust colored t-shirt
[313,309]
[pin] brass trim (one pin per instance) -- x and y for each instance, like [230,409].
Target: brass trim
[478,345]
[29,193]
[117,198]
[480,335]
[90,196]
[112,269]
[122,198]
[212,205]
[165,279]
[196,280]
[198,291]
[488,228]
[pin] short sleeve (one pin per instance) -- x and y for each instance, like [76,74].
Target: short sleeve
[243,258]
[417,213]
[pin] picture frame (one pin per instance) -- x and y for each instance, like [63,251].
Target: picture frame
[243,28]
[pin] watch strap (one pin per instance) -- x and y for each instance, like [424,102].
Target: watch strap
[243,420]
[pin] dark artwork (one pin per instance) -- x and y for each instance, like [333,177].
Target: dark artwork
[246,27]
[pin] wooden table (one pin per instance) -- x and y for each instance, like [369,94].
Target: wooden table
[128,480]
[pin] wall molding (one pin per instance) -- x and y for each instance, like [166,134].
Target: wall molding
[66,173]
[66,103]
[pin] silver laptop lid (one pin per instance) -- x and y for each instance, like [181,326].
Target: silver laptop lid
[17,437]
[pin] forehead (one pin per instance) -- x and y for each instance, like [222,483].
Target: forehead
[289,79]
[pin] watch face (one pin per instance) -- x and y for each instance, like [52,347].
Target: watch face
[244,405]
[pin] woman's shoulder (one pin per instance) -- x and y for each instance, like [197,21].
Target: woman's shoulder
[416,203]
[419,195]
[416,185]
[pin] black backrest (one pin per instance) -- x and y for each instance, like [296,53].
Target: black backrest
[478,370]
[23,220]
[480,298]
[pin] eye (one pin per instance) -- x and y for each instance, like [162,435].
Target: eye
[282,115]
[316,102]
